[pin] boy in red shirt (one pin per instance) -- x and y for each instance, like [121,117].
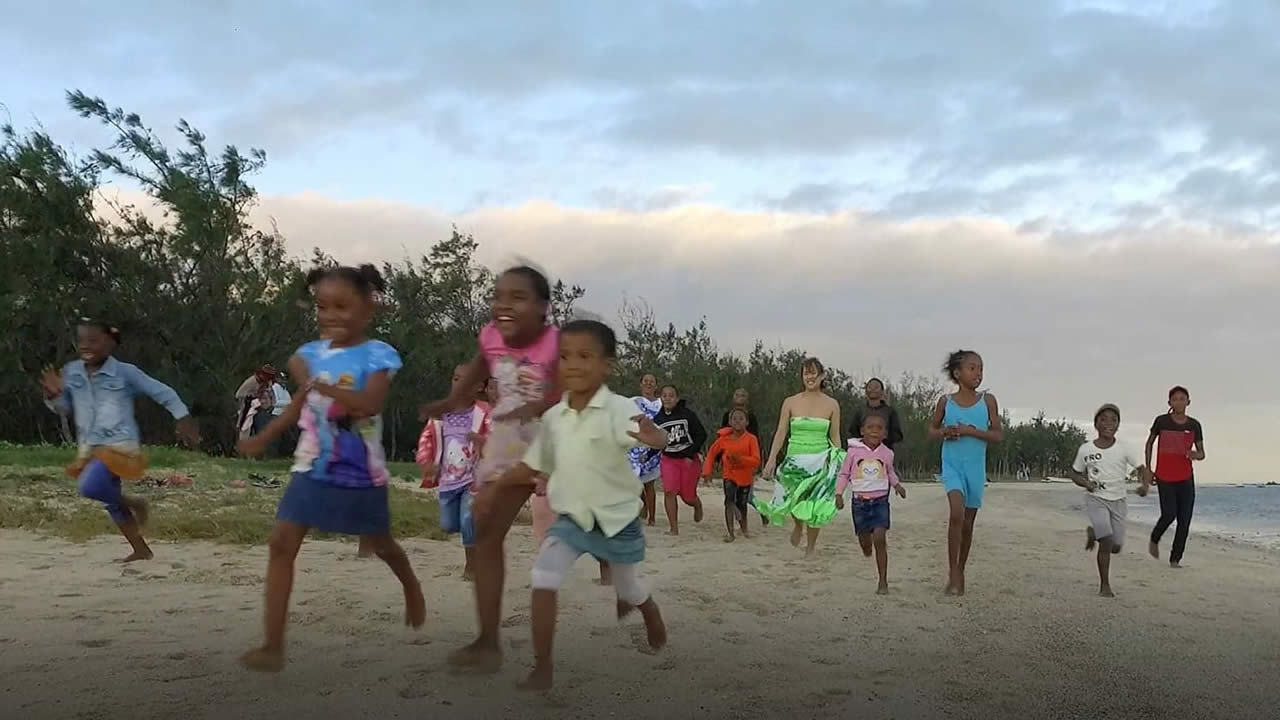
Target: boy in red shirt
[740,457]
[1181,441]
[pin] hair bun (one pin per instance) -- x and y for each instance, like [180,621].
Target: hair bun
[372,276]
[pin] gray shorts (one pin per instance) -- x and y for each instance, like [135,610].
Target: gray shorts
[1107,518]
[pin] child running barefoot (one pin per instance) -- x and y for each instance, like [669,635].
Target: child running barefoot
[1181,442]
[647,462]
[98,390]
[869,468]
[966,420]
[742,401]
[447,452]
[681,460]
[805,487]
[519,349]
[739,455]
[582,447]
[1101,468]
[340,474]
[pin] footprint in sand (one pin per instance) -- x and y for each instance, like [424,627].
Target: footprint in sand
[70,595]
[94,644]
[514,620]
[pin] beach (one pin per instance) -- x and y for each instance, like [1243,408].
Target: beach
[755,631]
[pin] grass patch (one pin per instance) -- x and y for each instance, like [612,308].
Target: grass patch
[36,494]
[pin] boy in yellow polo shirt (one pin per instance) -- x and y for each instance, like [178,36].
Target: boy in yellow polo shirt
[582,447]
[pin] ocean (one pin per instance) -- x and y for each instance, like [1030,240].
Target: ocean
[1248,514]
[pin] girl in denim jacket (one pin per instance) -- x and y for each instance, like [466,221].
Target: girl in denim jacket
[98,390]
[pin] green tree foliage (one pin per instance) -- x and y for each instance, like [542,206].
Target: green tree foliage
[203,298]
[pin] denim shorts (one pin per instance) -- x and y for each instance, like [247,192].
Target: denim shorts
[870,515]
[455,514]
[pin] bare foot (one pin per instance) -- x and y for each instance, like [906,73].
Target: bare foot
[415,607]
[728,538]
[1175,565]
[1105,591]
[477,658]
[652,522]
[951,589]
[624,609]
[1090,538]
[1154,549]
[810,553]
[745,534]
[468,574]
[960,587]
[137,555]
[653,624]
[796,535]
[263,660]
[673,531]
[697,513]
[883,589]
[538,681]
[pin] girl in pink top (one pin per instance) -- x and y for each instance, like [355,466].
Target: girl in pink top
[868,467]
[520,351]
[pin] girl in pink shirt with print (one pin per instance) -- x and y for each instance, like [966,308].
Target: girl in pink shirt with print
[869,469]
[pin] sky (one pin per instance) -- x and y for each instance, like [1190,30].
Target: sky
[1087,193]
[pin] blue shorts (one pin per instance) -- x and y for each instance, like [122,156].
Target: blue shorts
[870,515]
[969,479]
[455,514]
[97,482]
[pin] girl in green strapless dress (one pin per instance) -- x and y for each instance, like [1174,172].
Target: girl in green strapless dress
[804,487]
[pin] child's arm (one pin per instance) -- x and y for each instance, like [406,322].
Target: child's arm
[537,408]
[936,430]
[363,403]
[1197,452]
[140,382]
[894,482]
[710,463]
[56,395]
[846,473]
[1076,471]
[1151,444]
[462,394]
[994,433]
[779,435]
[895,427]
[752,460]
[697,432]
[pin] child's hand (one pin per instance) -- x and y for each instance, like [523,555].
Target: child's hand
[540,485]
[902,492]
[951,432]
[648,433]
[188,432]
[769,468]
[51,382]
[840,502]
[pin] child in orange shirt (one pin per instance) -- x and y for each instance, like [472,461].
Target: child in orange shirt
[740,457]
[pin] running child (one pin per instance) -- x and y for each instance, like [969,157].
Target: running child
[582,446]
[682,459]
[966,421]
[1180,443]
[647,462]
[519,349]
[447,452]
[742,401]
[868,467]
[739,455]
[1101,467]
[98,391]
[340,475]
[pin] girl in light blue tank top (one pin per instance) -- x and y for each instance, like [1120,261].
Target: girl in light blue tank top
[966,421]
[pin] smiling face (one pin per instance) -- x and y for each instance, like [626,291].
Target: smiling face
[738,420]
[518,312]
[1107,423]
[94,345]
[583,364]
[649,387]
[812,378]
[670,398]
[342,311]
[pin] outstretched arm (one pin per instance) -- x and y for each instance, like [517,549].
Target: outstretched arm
[462,394]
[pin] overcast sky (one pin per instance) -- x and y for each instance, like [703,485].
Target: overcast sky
[1085,192]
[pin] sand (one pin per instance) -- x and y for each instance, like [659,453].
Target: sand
[755,631]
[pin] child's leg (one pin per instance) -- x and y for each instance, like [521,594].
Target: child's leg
[467,529]
[810,547]
[671,503]
[650,495]
[730,509]
[743,501]
[1168,513]
[390,552]
[632,593]
[879,541]
[797,533]
[549,569]
[543,518]
[485,653]
[864,542]
[670,479]
[966,540]
[1185,493]
[689,487]
[285,542]
[955,532]
[96,482]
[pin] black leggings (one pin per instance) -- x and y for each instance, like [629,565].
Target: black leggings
[1177,501]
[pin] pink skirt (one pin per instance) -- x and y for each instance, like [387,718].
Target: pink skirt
[504,449]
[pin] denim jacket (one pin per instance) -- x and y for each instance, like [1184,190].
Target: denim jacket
[102,403]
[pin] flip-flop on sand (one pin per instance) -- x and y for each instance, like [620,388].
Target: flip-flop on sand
[259,481]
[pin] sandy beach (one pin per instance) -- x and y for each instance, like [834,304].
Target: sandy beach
[755,630]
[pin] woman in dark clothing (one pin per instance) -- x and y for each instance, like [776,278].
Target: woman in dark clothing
[875,405]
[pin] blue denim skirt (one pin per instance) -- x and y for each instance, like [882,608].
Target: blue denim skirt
[335,509]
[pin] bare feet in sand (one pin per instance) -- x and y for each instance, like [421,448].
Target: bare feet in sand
[1089,538]
[468,574]
[810,553]
[540,680]
[1154,550]
[697,513]
[796,535]
[415,607]
[1105,591]
[673,531]
[728,538]
[882,589]
[654,627]
[263,660]
[1175,565]
[745,534]
[476,658]
[137,555]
